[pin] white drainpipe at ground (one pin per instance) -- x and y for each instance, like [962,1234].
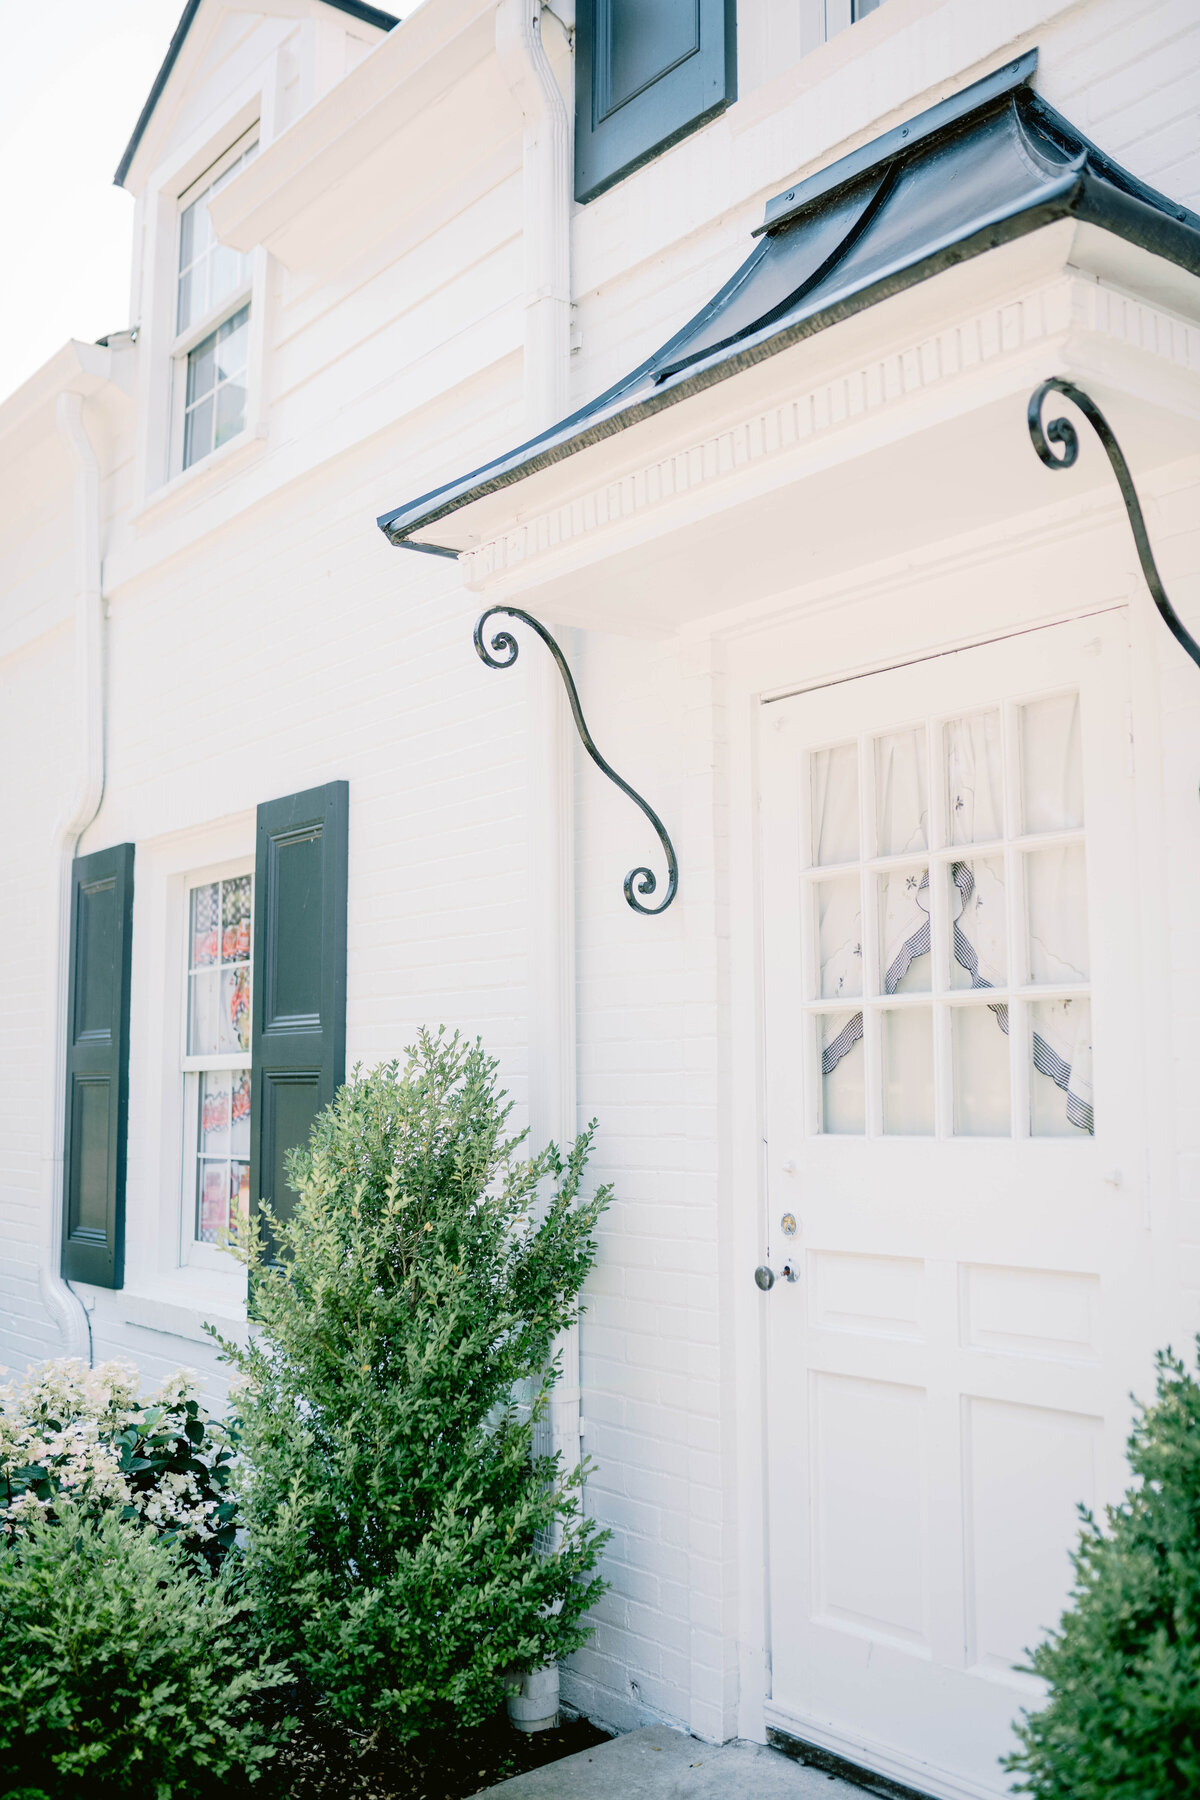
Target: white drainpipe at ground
[58,1297]
[547,191]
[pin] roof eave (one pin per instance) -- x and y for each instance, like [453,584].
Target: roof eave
[355,9]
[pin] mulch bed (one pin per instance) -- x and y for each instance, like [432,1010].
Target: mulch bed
[323,1761]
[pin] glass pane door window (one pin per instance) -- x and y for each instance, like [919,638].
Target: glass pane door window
[945,909]
[217,1058]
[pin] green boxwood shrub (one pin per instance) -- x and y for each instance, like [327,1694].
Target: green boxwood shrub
[398,1522]
[126,1669]
[1123,1718]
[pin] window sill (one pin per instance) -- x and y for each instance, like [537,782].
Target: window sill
[179,1306]
[202,478]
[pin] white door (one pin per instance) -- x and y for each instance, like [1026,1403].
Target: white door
[948,911]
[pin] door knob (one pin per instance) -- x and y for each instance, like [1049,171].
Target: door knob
[765,1277]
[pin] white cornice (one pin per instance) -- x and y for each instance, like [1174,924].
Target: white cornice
[406,74]
[610,505]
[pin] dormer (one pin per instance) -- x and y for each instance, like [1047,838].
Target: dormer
[236,75]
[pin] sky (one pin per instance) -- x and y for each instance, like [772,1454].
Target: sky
[74,75]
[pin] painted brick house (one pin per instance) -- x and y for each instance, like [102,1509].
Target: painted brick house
[704,333]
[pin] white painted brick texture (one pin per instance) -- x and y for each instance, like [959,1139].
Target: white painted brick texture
[263,637]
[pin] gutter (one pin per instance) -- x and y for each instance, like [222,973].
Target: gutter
[546,189]
[96,369]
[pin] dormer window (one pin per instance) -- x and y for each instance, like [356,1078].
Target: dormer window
[212,319]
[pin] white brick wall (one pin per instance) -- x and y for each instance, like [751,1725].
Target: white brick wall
[263,637]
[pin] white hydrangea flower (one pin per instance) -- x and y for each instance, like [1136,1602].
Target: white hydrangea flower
[63,1418]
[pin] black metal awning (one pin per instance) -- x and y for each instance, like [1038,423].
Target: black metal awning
[985,166]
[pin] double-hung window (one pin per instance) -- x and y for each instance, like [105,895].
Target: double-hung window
[216,1061]
[212,320]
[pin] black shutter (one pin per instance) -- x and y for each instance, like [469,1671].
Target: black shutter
[97,1099]
[298,1051]
[646,73]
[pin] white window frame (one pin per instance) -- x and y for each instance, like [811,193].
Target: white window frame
[184,342]
[189,1068]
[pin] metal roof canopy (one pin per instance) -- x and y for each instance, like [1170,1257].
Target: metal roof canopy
[985,166]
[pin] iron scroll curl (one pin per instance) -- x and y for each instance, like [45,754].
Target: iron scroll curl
[502,654]
[1061,431]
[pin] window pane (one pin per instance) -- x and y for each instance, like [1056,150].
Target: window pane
[976,891]
[214,1201]
[904,959]
[226,269]
[1056,907]
[205,934]
[981,1087]
[239,1196]
[974,779]
[839,937]
[197,433]
[239,1113]
[186,311]
[203,1003]
[1051,766]
[208,270]
[835,804]
[214,1112]
[201,370]
[235,1009]
[843,1091]
[231,412]
[232,340]
[907,1043]
[235,919]
[187,235]
[1061,1076]
[901,792]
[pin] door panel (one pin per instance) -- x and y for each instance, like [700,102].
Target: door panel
[954,1130]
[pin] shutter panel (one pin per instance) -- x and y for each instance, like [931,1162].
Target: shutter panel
[298,1049]
[97,1096]
[646,73]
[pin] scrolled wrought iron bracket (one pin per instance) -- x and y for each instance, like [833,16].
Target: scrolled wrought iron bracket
[504,644]
[1061,431]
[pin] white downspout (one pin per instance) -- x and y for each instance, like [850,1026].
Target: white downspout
[547,193]
[59,1298]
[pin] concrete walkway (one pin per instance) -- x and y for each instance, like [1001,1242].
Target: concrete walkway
[657,1764]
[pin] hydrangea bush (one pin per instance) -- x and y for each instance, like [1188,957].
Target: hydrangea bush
[67,1430]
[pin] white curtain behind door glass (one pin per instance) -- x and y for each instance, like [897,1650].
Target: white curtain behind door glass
[975,779]
[1054,899]
[901,792]
[834,779]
